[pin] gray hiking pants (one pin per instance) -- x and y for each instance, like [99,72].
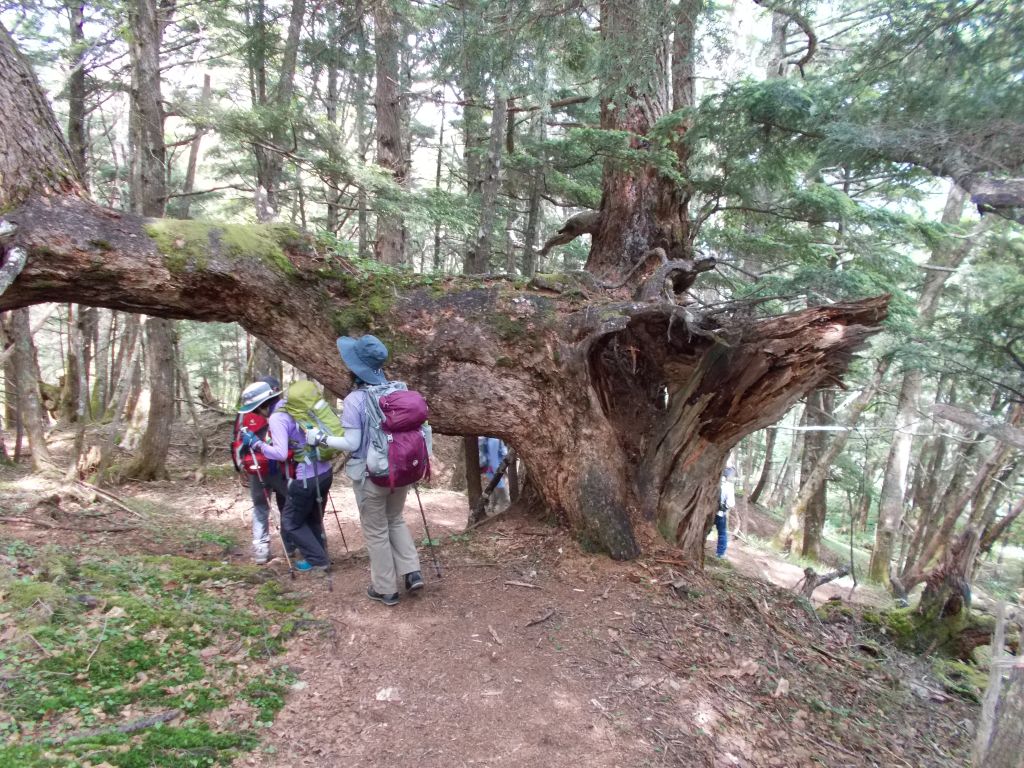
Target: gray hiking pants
[392,551]
[277,487]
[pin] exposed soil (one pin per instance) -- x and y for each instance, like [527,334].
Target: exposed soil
[595,663]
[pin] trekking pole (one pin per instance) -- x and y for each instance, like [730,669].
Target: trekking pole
[430,541]
[280,522]
[320,511]
[334,509]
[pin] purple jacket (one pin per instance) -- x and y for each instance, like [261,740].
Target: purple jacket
[285,433]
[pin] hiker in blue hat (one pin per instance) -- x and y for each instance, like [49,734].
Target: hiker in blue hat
[388,541]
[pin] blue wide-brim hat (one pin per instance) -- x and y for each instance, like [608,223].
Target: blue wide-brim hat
[364,356]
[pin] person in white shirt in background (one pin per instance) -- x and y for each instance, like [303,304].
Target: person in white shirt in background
[726,502]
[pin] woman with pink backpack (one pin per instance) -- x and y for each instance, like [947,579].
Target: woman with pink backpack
[386,434]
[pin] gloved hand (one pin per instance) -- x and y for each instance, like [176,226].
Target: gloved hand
[247,437]
[315,436]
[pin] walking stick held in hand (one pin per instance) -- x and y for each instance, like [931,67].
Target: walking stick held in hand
[280,522]
[430,540]
[334,509]
[320,510]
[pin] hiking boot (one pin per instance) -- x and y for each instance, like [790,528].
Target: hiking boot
[302,565]
[319,570]
[413,581]
[386,599]
[261,555]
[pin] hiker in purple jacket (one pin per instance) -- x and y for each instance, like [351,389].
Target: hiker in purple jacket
[302,517]
[388,541]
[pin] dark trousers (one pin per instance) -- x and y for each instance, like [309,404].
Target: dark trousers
[303,517]
[722,525]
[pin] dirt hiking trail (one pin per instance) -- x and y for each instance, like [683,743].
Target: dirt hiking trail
[530,652]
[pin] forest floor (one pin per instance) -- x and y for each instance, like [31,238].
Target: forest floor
[526,651]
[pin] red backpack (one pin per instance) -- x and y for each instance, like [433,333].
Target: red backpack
[251,462]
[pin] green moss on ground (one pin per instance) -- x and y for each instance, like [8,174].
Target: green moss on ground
[834,611]
[960,678]
[101,638]
[273,597]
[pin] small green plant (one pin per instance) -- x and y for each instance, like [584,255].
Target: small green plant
[19,549]
[222,540]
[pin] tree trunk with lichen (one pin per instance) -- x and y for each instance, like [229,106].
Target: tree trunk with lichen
[572,381]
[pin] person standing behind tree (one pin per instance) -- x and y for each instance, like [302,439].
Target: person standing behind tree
[492,453]
[302,518]
[726,502]
[388,541]
[259,400]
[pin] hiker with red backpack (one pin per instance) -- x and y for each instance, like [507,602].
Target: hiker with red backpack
[302,516]
[385,430]
[262,475]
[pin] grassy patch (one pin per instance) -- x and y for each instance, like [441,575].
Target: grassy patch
[93,643]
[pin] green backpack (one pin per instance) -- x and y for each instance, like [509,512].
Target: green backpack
[306,405]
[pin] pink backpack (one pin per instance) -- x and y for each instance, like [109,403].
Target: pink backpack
[399,447]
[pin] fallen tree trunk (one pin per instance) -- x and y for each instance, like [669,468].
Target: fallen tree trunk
[574,381]
[492,357]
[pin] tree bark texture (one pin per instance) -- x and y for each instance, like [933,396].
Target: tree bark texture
[78,140]
[130,346]
[389,246]
[811,502]
[787,484]
[1005,748]
[479,255]
[28,388]
[29,133]
[766,469]
[149,183]
[193,153]
[152,461]
[259,50]
[264,362]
